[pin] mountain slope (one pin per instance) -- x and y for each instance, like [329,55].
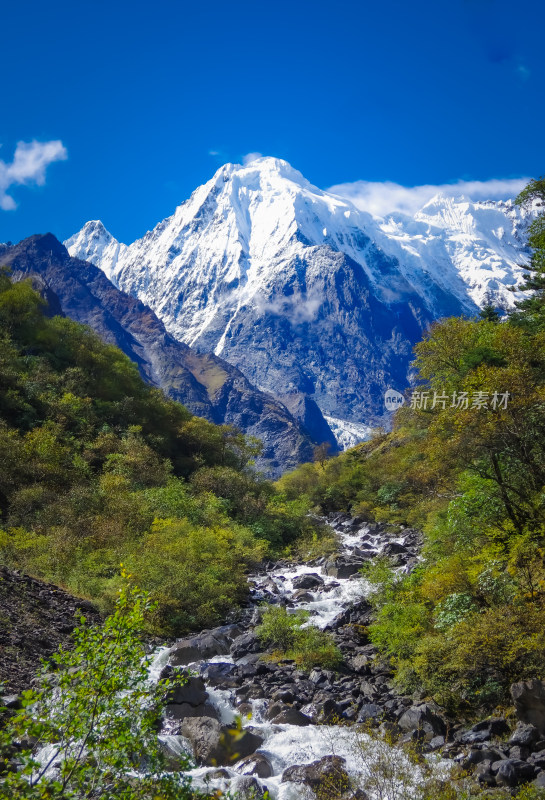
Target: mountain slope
[206,384]
[301,290]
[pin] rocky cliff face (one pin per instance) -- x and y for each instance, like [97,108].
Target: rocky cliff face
[35,618]
[304,292]
[205,383]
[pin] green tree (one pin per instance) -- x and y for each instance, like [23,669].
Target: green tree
[531,310]
[489,314]
[92,723]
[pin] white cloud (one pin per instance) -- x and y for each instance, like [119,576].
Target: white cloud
[381,199]
[249,157]
[29,164]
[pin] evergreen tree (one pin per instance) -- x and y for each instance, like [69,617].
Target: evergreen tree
[531,311]
[489,314]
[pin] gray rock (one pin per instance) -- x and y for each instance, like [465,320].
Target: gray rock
[257,765]
[327,775]
[216,744]
[512,772]
[423,719]
[301,596]
[484,731]
[221,674]
[311,580]
[246,787]
[244,644]
[529,699]
[291,716]
[193,691]
[205,645]
[540,780]
[343,566]
[525,735]
[369,711]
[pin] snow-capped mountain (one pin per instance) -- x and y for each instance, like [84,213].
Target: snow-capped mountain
[304,292]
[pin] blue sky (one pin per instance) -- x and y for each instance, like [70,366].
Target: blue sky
[141,102]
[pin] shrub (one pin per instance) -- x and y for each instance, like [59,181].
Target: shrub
[314,648]
[308,646]
[278,628]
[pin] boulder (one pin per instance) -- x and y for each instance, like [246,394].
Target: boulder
[221,674]
[179,711]
[512,772]
[423,719]
[246,787]
[257,765]
[360,663]
[291,716]
[529,700]
[193,691]
[483,731]
[540,780]
[369,711]
[205,645]
[525,735]
[216,744]
[311,580]
[538,759]
[244,644]
[321,711]
[327,777]
[394,549]
[301,596]
[344,566]
[484,773]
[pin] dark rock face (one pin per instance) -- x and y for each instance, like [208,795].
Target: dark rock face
[529,699]
[206,384]
[36,619]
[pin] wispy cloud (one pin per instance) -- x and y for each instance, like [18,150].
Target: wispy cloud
[29,164]
[381,199]
[249,157]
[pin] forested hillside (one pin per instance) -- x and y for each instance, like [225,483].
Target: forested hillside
[97,468]
[466,463]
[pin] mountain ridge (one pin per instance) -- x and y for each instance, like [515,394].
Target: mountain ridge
[208,385]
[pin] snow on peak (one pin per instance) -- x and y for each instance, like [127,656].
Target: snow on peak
[227,245]
[95,244]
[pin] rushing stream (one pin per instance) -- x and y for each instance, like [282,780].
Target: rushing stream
[285,745]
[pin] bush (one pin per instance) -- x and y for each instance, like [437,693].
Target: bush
[278,628]
[308,646]
[314,648]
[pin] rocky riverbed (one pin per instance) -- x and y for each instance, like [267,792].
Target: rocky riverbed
[254,725]
[290,719]
[296,731]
